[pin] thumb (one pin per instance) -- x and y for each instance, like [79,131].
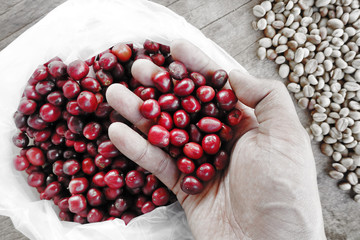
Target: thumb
[269,98]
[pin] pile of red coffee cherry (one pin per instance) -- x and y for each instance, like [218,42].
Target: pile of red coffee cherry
[63,119]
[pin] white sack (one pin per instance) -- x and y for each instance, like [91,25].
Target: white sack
[81,29]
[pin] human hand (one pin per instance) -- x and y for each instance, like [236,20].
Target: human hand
[268,191]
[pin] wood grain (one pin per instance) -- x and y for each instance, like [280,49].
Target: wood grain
[228,23]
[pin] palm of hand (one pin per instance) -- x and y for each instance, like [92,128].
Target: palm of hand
[269,190]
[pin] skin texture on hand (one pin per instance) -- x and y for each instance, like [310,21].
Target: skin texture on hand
[268,191]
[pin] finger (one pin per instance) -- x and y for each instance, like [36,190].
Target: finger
[127,104]
[139,150]
[193,58]
[269,98]
[144,70]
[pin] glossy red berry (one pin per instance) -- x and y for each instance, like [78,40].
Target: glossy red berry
[113,179]
[108,149]
[205,94]
[36,122]
[88,166]
[205,172]
[36,179]
[178,137]
[104,78]
[44,87]
[165,120]
[195,134]
[211,144]
[21,163]
[193,150]
[160,197]
[77,203]
[234,117]
[90,84]
[198,79]
[159,136]
[122,52]
[169,102]
[52,189]
[158,59]
[162,81]
[102,162]
[56,98]
[77,69]
[112,193]
[184,88]
[178,70]
[181,119]
[39,74]
[191,185]
[209,124]
[50,113]
[71,167]
[57,69]
[226,133]
[87,101]
[151,183]
[219,79]
[20,140]
[185,165]
[147,207]
[108,61]
[190,104]
[71,89]
[31,93]
[150,109]
[221,160]
[92,130]
[134,179]
[95,197]
[226,99]
[151,47]
[27,106]
[75,125]
[98,179]
[122,204]
[35,156]
[78,185]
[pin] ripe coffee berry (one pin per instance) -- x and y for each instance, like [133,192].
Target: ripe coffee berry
[162,81]
[150,109]
[205,172]
[160,196]
[134,179]
[191,185]
[185,165]
[77,69]
[113,179]
[159,136]
[87,101]
[63,120]
[211,144]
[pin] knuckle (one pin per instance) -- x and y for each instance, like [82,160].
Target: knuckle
[162,165]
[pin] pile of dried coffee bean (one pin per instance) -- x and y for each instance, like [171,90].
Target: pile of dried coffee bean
[316,43]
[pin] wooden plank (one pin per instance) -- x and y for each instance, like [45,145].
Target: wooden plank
[165,3]
[8,232]
[203,12]
[21,16]
[6,5]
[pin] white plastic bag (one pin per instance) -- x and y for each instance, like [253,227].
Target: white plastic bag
[81,29]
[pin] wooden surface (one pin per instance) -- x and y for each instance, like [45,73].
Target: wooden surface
[228,23]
